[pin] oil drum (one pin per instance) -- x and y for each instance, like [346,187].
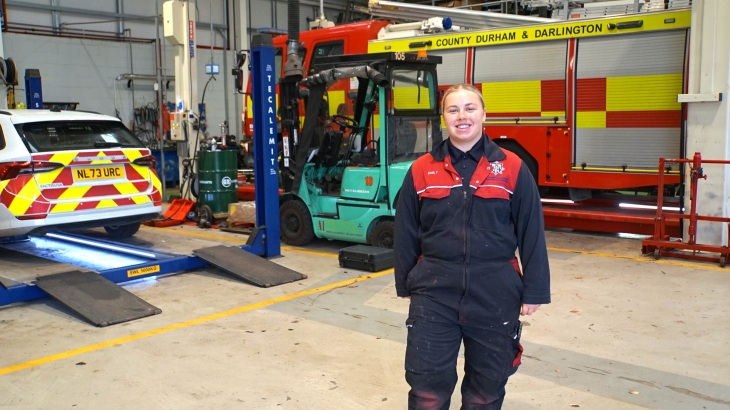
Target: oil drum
[218,180]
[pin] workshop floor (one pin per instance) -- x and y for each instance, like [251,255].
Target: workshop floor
[623,332]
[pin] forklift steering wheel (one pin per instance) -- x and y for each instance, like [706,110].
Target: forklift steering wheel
[345,122]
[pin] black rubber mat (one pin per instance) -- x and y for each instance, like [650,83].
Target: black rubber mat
[248,266]
[97,299]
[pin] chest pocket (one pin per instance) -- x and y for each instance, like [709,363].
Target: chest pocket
[440,208]
[491,214]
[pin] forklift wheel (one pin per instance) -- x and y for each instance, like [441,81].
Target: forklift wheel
[383,235]
[296,223]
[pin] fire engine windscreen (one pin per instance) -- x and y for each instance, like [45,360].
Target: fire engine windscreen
[332,75]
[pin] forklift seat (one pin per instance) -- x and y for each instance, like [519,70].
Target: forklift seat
[406,137]
[329,149]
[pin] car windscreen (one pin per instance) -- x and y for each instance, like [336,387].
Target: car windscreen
[51,136]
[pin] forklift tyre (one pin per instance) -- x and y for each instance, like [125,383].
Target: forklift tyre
[122,231]
[296,223]
[383,235]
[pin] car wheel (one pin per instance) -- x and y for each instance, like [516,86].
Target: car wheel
[383,235]
[296,223]
[122,231]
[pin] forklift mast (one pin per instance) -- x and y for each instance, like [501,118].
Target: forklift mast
[373,72]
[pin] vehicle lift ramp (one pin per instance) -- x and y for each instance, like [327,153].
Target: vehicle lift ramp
[95,295]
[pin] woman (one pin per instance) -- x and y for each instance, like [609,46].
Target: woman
[462,212]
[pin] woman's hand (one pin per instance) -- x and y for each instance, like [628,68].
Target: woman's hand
[528,309]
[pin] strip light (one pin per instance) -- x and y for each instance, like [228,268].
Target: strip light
[103,246]
[557,201]
[636,206]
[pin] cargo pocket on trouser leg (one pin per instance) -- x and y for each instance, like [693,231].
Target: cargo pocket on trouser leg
[431,352]
[489,356]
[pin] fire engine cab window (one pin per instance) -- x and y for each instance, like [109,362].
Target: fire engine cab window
[411,90]
[52,136]
[329,49]
[2,139]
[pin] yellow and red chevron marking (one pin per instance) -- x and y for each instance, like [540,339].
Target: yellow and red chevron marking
[534,98]
[645,101]
[56,192]
[22,196]
[99,204]
[76,158]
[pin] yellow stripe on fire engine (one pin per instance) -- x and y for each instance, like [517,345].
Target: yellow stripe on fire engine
[335,98]
[64,207]
[3,184]
[643,92]
[249,106]
[552,114]
[24,199]
[571,29]
[590,119]
[64,158]
[512,96]
[407,98]
[74,192]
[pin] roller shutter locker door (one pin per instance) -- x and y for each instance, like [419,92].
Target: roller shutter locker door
[522,80]
[626,99]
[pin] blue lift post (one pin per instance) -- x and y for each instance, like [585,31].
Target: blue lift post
[265,240]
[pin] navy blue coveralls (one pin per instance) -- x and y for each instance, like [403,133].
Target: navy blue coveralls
[459,219]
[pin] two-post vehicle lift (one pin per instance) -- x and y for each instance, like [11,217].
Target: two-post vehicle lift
[88,293]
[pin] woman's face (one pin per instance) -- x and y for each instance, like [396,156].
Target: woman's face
[464,115]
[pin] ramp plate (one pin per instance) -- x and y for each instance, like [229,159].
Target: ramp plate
[97,299]
[248,266]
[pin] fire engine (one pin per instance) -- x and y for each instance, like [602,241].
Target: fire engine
[590,105]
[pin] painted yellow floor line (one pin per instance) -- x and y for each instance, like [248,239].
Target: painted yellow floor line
[193,322]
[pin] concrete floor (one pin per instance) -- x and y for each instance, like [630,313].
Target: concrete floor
[623,332]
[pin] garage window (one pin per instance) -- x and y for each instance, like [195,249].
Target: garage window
[50,136]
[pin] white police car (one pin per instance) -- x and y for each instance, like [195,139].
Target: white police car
[71,169]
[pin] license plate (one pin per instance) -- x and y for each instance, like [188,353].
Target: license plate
[94,173]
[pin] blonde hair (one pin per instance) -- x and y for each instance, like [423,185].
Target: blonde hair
[458,87]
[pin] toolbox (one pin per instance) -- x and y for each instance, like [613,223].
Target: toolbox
[369,258]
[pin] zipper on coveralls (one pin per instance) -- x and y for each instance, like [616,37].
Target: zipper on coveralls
[464,225]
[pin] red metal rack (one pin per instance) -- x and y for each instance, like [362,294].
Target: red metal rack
[661,245]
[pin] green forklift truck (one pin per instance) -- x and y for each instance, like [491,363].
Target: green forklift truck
[342,175]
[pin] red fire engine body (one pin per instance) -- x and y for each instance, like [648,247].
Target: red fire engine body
[588,104]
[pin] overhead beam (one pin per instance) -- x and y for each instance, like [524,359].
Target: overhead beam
[96,13]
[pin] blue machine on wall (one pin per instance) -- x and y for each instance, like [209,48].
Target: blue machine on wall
[33,89]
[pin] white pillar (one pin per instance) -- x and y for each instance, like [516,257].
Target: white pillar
[708,121]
